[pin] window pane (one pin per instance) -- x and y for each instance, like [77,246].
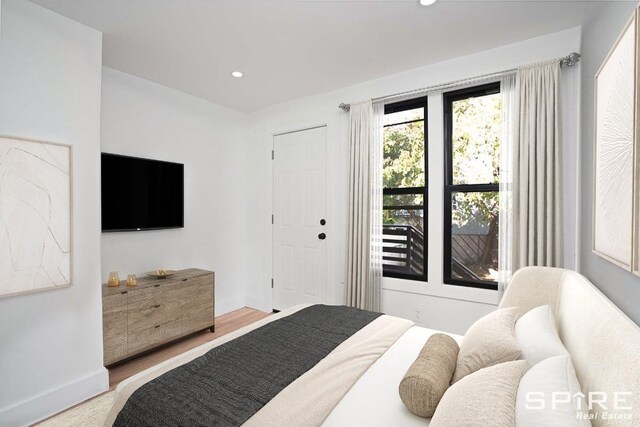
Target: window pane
[403,241]
[474,236]
[476,140]
[402,199]
[403,116]
[404,253]
[404,155]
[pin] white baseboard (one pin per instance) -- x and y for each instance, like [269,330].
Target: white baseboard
[258,304]
[53,401]
[229,304]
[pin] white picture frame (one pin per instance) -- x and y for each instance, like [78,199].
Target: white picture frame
[36,214]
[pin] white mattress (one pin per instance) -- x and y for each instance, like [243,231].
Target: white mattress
[374,399]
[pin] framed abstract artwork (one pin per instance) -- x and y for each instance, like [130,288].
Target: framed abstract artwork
[615,144]
[35,216]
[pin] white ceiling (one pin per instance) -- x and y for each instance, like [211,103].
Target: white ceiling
[289,49]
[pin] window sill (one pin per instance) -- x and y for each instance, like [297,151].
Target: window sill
[442,290]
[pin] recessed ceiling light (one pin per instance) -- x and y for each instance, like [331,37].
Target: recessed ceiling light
[237,74]
[427,2]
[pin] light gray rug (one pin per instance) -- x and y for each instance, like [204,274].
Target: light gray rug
[89,414]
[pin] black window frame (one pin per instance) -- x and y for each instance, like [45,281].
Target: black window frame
[410,104]
[450,188]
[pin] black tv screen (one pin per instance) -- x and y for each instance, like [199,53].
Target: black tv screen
[141,194]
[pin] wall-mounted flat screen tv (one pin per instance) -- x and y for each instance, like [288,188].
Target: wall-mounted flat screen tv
[141,194]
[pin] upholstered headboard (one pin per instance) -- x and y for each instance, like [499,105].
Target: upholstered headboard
[604,343]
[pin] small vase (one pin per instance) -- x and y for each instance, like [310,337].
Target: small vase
[114,279]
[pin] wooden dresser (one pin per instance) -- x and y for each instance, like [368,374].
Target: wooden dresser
[156,311]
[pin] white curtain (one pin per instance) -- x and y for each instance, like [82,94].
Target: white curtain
[377,156]
[505,236]
[537,222]
[364,245]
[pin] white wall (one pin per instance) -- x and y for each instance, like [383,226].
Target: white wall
[432,304]
[603,24]
[145,119]
[51,342]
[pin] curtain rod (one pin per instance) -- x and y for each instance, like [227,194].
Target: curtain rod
[572,59]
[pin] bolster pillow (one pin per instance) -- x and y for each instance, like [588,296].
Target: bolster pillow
[429,376]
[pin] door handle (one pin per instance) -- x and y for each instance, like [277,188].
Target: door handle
[322,236]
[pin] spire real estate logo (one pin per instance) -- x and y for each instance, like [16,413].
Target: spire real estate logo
[594,405]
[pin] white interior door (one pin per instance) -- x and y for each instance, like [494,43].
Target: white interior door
[300,206]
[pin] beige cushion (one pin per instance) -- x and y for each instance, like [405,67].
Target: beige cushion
[429,376]
[537,335]
[485,398]
[489,341]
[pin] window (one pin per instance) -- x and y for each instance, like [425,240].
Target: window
[405,195]
[472,120]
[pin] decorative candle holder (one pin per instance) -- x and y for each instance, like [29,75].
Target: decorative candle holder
[114,279]
[132,280]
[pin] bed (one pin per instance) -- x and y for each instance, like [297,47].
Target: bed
[357,382]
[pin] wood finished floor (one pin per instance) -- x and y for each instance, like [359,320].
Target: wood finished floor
[224,324]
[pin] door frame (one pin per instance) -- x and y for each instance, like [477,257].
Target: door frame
[273,190]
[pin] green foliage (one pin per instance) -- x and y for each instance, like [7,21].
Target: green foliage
[404,167]
[404,155]
[476,159]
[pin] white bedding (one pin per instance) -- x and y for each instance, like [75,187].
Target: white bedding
[374,398]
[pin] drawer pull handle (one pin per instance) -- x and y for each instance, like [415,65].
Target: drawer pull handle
[157,326]
[124,292]
[156,306]
[184,280]
[156,286]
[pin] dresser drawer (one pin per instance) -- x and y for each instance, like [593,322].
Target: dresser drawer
[173,302]
[115,327]
[153,295]
[149,296]
[144,339]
